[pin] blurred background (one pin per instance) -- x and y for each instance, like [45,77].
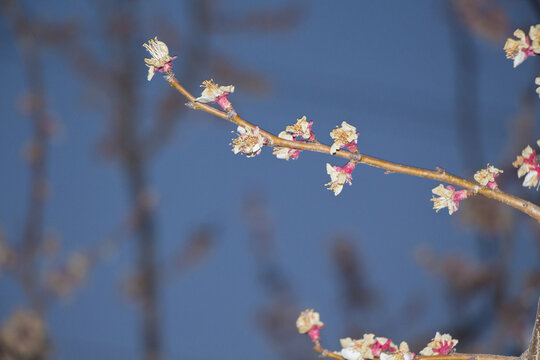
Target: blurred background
[128,229]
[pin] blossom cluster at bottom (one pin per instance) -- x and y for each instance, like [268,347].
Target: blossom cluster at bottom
[370,346]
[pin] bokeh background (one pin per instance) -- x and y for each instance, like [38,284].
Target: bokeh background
[130,230]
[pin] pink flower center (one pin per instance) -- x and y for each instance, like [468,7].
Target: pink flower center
[377,348]
[445,347]
[348,169]
[314,333]
[224,102]
[531,161]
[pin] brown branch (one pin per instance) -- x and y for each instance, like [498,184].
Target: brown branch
[441,175]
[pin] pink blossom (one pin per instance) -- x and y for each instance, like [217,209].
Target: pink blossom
[379,347]
[339,176]
[213,93]
[160,60]
[448,197]
[528,167]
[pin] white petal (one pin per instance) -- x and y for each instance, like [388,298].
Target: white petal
[151,72]
[350,354]
[204,99]
[520,57]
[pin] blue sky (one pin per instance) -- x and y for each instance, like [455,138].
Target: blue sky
[385,67]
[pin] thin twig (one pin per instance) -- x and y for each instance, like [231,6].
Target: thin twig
[441,175]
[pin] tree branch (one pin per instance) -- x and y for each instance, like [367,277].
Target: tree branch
[441,175]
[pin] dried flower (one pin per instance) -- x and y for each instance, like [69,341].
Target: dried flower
[309,322]
[160,61]
[286,153]
[358,349]
[448,198]
[487,176]
[302,128]
[440,345]
[528,167]
[24,336]
[339,176]
[344,136]
[248,142]
[520,49]
[213,93]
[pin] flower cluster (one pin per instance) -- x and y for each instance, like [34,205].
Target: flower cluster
[524,46]
[249,142]
[487,176]
[528,166]
[160,61]
[344,136]
[369,346]
[309,322]
[302,129]
[448,197]
[440,345]
[519,50]
[214,93]
[339,176]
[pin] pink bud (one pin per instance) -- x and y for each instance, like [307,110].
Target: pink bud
[314,333]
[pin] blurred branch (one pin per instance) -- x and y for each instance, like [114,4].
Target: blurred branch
[263,20]
[535,4]
[33,69]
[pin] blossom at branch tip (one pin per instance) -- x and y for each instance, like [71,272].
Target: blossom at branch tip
[310,323]
[283,152]
[520,49]
[487,176]
[160,61]
[448,197]
[339,176]
[248,142]
[357,349]
[528,166]
[302,128]
[537,82]
[344,136]
[440,345]
[214,93]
